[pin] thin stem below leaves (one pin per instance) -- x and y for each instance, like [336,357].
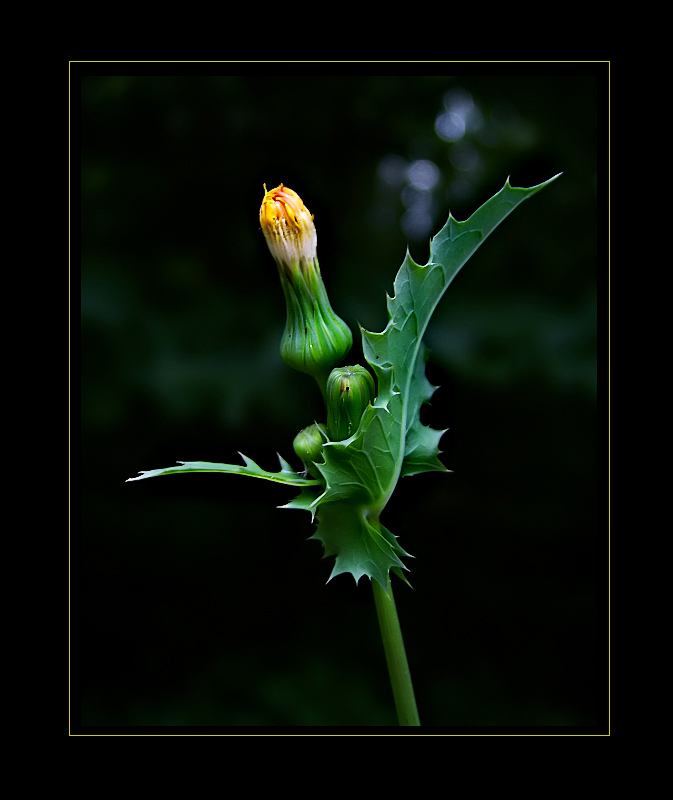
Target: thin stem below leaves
[393,644]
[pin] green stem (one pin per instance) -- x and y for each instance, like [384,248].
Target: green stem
[393,644]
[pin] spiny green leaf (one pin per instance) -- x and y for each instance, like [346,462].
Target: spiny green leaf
[286,475]
[391,433]
[305,501]
[391,441]
[361,544]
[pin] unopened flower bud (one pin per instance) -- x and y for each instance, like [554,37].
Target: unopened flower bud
[349,391]
[315,338]
[308,446]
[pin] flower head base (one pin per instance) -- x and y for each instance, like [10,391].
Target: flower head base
[315,338]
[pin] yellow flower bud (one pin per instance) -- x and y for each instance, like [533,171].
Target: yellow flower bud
[315,338]
[288,229]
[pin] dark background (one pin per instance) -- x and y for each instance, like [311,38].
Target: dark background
[201,603]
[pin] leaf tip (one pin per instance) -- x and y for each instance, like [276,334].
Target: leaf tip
[141,474]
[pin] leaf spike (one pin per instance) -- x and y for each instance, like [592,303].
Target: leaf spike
[284,466]
[402,576]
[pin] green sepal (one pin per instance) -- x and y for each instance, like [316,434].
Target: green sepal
[315,339]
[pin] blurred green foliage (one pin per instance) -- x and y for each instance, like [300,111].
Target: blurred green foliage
[202,608]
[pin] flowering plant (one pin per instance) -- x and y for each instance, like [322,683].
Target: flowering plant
[373,435]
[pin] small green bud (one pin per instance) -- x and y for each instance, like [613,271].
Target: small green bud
[308,446]
[349,391]
[315,338]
